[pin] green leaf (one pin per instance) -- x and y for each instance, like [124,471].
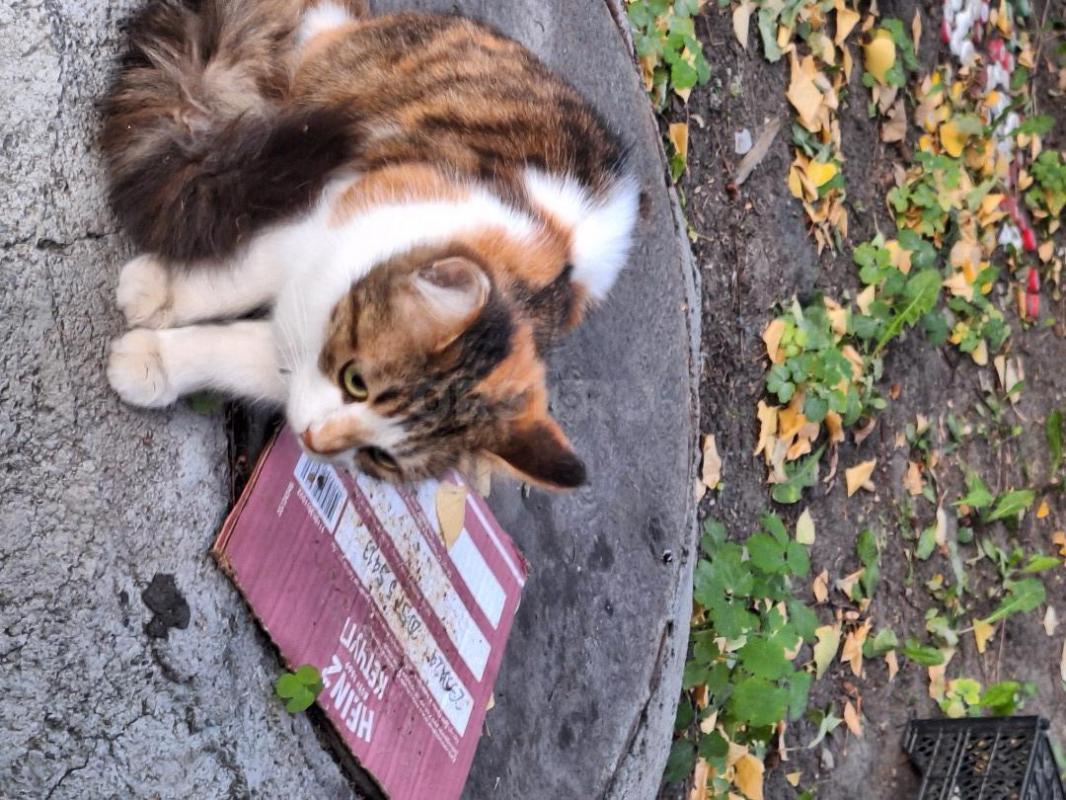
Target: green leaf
[766,553]
[714,746]
[883,641]
[686,714]
[681,761]
[772,524]
[926,543]
[919,297]
[1024,596]
[799,690]
[1039,563]
[922,654]
[797,559]
[309,676]
[978,495]
[866,549]
[731,619]
[1012,504]
[288,685]
[1053,428]
[1001,699]
[802,619]
[800,477]
[1040,125]
[764,659]
[301,702]
[827,725]
[714,534]
[758,702]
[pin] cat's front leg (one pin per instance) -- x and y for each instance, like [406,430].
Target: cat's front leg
[152,294]
[152,369]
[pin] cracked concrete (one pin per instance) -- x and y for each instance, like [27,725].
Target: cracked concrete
[97,500]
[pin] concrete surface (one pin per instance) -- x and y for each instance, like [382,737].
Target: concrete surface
[130,668]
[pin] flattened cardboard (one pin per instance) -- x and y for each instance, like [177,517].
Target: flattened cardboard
[352,575]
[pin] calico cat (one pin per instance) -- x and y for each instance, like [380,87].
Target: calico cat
[422,205]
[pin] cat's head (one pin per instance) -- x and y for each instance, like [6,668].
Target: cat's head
[424,364]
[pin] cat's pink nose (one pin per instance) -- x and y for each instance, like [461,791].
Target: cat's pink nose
[320,447]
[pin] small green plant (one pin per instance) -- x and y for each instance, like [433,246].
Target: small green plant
[964,697]
[740,671]
[671,56]
[1048,192]
[299,689]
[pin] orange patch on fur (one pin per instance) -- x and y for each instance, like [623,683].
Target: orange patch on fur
[335,435]
[407,183]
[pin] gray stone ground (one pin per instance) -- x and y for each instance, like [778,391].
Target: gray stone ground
[102,697]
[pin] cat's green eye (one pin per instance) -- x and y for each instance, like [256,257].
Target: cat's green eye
[353,382]
[381,459]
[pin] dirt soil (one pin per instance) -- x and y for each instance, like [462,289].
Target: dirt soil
[753,251]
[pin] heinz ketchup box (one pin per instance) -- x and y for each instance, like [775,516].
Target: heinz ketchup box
[353,575]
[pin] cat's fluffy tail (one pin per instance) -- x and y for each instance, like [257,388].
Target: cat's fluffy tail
[202,145]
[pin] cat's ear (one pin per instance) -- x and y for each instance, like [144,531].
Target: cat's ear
[538,450]
[444,298]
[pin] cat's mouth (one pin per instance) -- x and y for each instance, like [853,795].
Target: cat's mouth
[375,461]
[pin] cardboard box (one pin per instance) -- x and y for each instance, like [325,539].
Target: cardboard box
[353,576]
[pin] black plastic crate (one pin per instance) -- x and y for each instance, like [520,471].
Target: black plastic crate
[1006,758]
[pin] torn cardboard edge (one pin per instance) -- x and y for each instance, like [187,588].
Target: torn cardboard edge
[353,576]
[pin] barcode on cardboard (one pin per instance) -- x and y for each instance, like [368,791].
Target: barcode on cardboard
[323,487]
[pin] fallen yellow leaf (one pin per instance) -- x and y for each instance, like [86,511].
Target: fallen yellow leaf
[678,135]
[892,663]
[712,463]
[952,138]
[1051,621]
[937,679]
[895,127]
[826,648]
[771,337]
[858,477]
[847,19]
[795,182]
[916,29]
[742,21]
[804,94]
[982,632]
[866,298]
[851,719]
[913,481]
[767,428]
[835,427]
[451,511]
[805,528]
[846,583]
[880,54]
[793,778]
[1043,510]
[1059,538]
[851,652]
[748,776]
[820,587]
[821,173]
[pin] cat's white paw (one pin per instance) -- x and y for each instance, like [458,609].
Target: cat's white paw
[136,371]
[144,293]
